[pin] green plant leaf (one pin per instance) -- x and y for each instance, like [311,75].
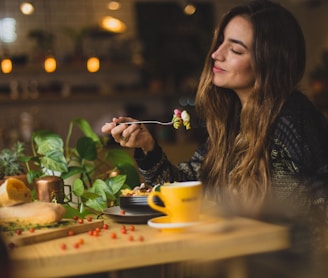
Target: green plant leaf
[131,173]
[71,171]
[126,165]
[47,141]
[116,183]
[97,204]
[54,161]
[118,156]
[100,187]
[78,187]
[89,195]
[86,148]
[86,129]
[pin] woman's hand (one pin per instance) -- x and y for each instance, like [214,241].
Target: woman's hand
[131,136]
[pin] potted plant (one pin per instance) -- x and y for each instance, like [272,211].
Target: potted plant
[99,173]
[12,162]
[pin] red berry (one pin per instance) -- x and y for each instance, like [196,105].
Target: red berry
[141,238]
[70,232]
[32,229]
[63,246]
[123,230]
[98,230]
[122,212]
[131,238]
[81,241]
[91,232]
[80,221]
[89,218]
[132,228]
[76,245]
[113,235]
[105,226]
[75,217]
[19,232]
[11,245]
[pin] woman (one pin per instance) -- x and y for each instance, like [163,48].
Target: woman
[266,142]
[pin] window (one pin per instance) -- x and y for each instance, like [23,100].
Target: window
[8,30]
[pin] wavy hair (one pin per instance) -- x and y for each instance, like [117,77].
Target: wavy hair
[237,165]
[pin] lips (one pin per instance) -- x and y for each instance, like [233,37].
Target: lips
[217,69]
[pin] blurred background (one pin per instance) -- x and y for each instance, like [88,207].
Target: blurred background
[96,59]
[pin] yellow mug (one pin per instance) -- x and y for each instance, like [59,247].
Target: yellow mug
[182,200]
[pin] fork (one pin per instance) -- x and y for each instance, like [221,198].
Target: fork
[148,122]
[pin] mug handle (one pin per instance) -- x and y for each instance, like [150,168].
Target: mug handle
[69,194]
[154,206]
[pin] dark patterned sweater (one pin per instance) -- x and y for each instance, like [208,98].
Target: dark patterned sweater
[299,160]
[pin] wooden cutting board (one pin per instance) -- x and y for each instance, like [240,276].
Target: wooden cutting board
[67,228]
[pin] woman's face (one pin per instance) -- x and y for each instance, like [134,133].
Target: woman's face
[232,66]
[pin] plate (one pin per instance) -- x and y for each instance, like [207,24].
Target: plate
[163,224]
[128,217]
[138,204]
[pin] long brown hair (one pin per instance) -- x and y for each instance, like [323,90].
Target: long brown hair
[238,160]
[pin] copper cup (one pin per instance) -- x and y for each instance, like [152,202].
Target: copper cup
[52,189]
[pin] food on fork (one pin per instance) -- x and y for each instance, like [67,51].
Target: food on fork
[181,118]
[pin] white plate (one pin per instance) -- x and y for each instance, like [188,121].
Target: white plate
[162,223]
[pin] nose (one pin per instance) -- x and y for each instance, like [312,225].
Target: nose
[218,54]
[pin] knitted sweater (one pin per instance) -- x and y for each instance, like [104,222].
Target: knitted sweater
[299,160]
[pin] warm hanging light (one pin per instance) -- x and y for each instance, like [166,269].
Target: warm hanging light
[93,64]
[113,24]
[50,64]
[6,65]
[189,9]
[27,8]
[114,5]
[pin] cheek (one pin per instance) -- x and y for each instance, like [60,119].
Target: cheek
[245,69]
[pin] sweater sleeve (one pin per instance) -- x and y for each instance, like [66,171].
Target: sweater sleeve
[155,167]
[300,159]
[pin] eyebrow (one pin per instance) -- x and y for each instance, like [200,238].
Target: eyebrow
[238,42]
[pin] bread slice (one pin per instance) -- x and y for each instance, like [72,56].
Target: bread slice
[33,213]
[14,191]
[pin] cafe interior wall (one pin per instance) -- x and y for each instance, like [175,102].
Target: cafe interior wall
[93,95]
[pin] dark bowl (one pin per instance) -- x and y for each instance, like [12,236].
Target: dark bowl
[138,204]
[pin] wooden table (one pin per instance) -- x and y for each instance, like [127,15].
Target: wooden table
[224,238]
